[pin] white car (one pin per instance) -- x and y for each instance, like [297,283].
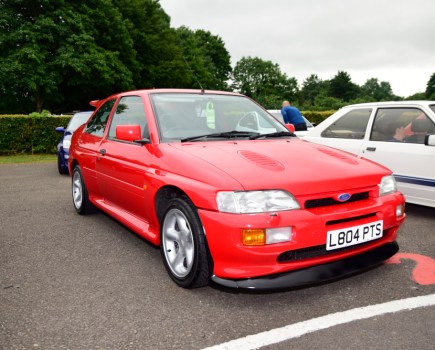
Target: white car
[277,114]
[399,135]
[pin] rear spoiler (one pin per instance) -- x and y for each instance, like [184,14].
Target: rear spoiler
[95,103]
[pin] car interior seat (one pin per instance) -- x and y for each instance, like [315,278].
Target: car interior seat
[420,127]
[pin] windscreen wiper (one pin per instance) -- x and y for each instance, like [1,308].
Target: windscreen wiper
[273,134]
[226,135]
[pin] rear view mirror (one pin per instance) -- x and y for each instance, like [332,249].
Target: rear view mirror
[128,133]
[429,140]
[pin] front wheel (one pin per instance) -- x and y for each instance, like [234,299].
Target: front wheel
[80,196]
[183,245]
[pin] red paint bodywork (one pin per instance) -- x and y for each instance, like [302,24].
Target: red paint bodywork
[125,181]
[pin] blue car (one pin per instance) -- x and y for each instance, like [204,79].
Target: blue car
[63,146]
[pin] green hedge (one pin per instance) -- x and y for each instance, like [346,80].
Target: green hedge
[317,117]
[25,134]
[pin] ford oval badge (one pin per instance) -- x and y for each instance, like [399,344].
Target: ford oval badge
[343,197]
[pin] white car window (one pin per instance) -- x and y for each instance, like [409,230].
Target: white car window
[408,125]
[352,125]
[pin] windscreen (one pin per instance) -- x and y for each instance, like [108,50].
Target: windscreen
[180,116]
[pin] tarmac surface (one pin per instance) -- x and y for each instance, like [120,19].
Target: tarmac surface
[86,282]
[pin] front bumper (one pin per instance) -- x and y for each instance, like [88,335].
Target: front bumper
[315,274]
[234,261]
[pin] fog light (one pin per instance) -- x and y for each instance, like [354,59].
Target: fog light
[400,210]
[254,237]
[278,235]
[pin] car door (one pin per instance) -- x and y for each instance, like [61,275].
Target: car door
[396,140]
[89,145]
[348,131]
[122,166]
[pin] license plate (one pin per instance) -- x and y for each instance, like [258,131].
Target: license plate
[354,235]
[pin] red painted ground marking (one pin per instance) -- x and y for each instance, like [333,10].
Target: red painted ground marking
[424,271]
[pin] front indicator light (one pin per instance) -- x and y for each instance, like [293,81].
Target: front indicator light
[254,236]
[251,237]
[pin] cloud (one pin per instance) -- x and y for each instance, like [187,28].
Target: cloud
[391,40]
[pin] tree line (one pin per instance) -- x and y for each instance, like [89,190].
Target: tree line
[59,54]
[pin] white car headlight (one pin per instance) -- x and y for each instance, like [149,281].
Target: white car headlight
[388,185]
[66,143]
[243,202]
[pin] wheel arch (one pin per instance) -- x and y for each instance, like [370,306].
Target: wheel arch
[163,195]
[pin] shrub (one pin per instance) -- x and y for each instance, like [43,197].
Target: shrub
[26,134]
[317,117]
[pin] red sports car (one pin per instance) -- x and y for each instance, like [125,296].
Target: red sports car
[229,193]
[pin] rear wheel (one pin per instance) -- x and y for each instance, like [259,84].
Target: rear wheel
[183,246]
[79,192]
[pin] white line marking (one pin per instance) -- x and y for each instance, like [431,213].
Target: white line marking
[298,329]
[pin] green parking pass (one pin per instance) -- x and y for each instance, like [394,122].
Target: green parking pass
[210,115]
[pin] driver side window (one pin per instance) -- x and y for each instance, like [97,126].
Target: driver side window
[97,124]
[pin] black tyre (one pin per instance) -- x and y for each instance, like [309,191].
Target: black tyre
[183,245]
[79,193]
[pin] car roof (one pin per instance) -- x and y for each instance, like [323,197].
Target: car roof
[97,103]
[392,103]
[180,91]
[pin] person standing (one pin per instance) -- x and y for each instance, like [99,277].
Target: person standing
[292,115]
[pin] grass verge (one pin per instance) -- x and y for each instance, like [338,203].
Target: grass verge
[27,158]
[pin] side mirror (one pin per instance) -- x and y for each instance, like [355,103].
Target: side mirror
[128,133]
[429,140]
[60,129]
[290,127]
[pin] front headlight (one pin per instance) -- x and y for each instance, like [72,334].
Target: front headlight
[244,202]
[66,143]
[388,185]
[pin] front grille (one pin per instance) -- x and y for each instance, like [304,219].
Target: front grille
[314,252]
[353,218]
[324,202]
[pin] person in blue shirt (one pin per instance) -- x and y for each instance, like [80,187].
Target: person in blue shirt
[292,115]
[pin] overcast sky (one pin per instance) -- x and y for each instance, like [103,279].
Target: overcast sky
[391,40]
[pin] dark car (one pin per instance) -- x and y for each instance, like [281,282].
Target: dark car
[63,146]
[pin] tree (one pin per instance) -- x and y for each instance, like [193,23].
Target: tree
[312,87]
[217,57]
[376,91]
[53,49]
[158,50]
[430,88]
[206,58]
[261,80]
[59,54]
[342,87]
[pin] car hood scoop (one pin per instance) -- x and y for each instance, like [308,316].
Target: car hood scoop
[261,160]
[339,155]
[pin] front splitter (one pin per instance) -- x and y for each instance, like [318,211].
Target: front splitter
[315,274]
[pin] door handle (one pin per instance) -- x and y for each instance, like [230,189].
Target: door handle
[103,151]
[371,149]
